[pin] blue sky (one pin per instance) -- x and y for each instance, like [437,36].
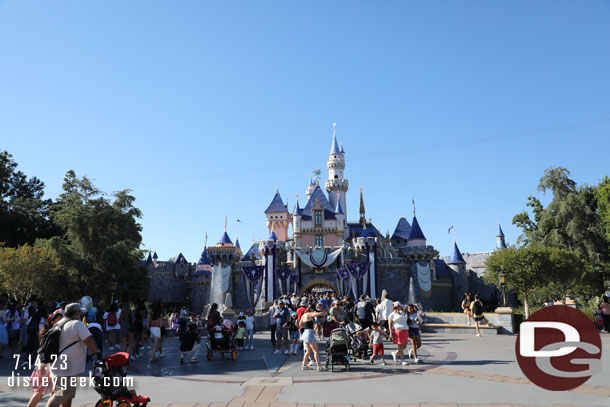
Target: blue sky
[202,107]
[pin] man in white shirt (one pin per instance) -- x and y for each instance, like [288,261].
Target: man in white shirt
[74,340]
[384,310]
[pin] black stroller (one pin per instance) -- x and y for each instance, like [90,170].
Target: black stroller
[337,349]
[358,341]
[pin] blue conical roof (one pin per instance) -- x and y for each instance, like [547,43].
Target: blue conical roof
[402,229]
[500,232]
[334,148]
[341,148]
[149,258]
[338,209]
[297,209]
[456,256]
[180,259]
[273,237]
[237,243]
[276,205]
[204,257]
[225,239]
[415,232]
[253,250]
[155,255]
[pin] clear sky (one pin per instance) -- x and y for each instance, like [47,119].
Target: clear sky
[202,107]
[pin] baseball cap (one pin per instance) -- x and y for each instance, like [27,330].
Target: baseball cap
[72,309]
[397,304]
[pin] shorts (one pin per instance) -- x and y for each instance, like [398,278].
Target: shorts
[308,336]
[294,335]
[378,349]
[413,332]
[479,317]
[281,333]
[155,332]
[400,336]
[61,396]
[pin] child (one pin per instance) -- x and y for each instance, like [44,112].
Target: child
[191,342]
[598,318]
[376,341]
[240,333]
[293,330]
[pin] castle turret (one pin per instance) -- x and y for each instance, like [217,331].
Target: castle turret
[341,223]
[461,283]
[337,185]
[154,258]
[416,236]
[500,242]
[362,211]
[402,231]
[278,217]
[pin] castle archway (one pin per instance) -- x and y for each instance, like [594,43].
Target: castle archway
[319,285]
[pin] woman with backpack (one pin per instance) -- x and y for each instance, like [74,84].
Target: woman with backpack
[113,328]
[42,370]
[477,312]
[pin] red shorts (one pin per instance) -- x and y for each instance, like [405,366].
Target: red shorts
[377,349]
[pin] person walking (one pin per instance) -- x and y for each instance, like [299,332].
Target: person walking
[74,339]
[398,324]
[249,330]
[364,312]
[309,336]
[385,309]
[414,332]
[154,324]
[376,341]
[113,327]
[477,311]
[273,321]
[282,316]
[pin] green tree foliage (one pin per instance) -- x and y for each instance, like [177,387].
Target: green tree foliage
[100,237]
[24,213]
[570,221]
[27,272]
[603,204]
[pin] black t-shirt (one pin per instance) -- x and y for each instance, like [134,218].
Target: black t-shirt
[190,337]
[364,311]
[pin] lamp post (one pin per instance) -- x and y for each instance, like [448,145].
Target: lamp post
[502,279]
[113,286]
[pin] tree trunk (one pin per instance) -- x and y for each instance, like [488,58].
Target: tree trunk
[526,305]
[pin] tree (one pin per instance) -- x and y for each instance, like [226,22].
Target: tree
[526,270]
[603,204]
[100,237]
[27,272]
[24,213]
[571,221]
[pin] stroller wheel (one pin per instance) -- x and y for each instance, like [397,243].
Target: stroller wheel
[123,404]
[210,354]
[104,403]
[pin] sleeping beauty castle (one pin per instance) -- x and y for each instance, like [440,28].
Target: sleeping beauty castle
[325,252]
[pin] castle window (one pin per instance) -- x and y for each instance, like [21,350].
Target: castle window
[336,176]
[319,240]
[318,218]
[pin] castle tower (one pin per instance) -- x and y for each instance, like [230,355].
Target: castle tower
[458,265]
[337,185]
[278,217]
[500,242]
[416,236]
[362,211]
[342,231]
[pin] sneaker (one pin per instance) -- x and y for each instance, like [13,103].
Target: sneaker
[478,334]
[411,354]
[252,347]
[294,352]
[286,353]
[417,360]
[304,367]
[404,363]
[321,368]
[277,352]
[395,356]
[383,363]
[372,361]
[311,363]
[194,361]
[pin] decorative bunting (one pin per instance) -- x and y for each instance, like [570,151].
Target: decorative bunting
[253,273]
[357,270]
[283,274]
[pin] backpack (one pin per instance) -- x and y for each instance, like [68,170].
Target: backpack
[49,344]
[477,307]
[112,319]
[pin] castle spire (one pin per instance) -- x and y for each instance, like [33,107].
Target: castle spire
[334,147]
[500,242]
[362,212]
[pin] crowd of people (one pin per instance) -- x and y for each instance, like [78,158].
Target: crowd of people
[311,318]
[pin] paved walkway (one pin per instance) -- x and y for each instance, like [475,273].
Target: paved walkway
[459,370]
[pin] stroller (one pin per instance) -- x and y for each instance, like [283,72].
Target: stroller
[337,349]
[107,381]
[358,341]
[221,340]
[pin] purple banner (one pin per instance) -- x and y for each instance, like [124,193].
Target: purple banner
[343,273]
[253,273]
[283,274]
[293,279]
[357,270]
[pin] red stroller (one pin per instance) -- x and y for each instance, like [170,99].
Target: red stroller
[221,340]
[107,381]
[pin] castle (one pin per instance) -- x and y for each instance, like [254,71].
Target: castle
[326,252]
